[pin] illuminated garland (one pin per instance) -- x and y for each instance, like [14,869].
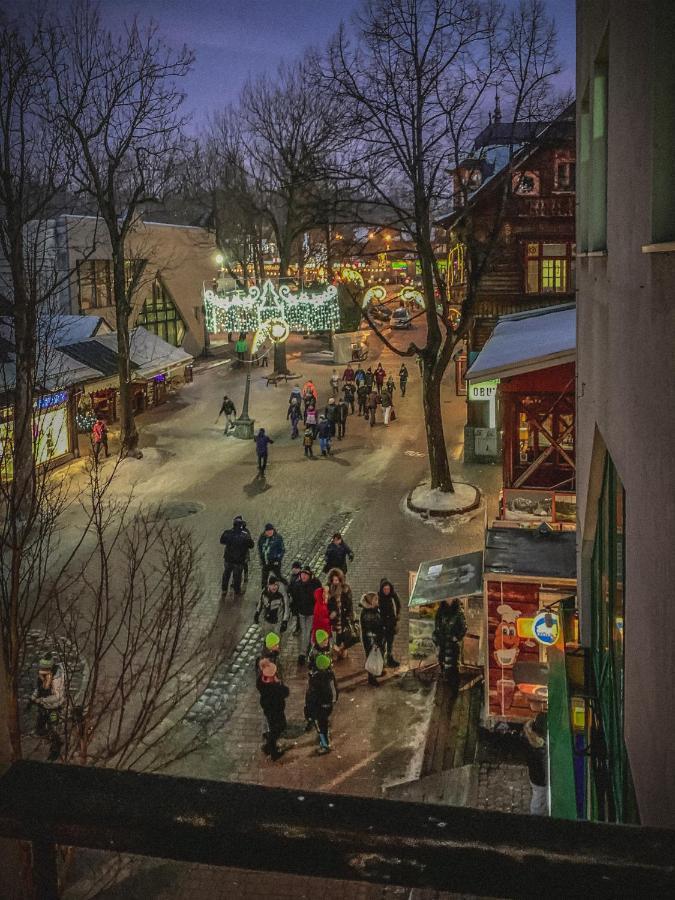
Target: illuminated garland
[237,311]
[376,293]
[352,276]
[412,295]
[85,422]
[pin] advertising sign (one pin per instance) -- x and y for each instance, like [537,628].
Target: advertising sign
[482,390]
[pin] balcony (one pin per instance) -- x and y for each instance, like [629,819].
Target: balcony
[547,207]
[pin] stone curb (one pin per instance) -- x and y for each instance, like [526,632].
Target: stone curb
[443,513]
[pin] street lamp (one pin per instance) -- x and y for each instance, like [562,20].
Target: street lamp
[244,425]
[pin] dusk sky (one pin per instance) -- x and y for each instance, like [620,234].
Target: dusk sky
[235,38]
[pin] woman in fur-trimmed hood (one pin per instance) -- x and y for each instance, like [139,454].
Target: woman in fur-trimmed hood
[342,605]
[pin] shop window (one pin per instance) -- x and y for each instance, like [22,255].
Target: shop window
[564,177]
[549,268]
[525,184]
[94,280]
[160,315]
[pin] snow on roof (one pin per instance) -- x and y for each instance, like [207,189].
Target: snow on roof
[72,329]
[56,371]
[526,342]
[148,351]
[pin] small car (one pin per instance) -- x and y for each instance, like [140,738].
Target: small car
[379,312]
[401,318]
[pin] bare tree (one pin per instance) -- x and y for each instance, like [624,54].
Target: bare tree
[289,139]
[414,82]
[117,101]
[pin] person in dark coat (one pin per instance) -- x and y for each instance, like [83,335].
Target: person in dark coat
[403,378]
[370,379]
[324,433]
[337,553]
[449,631]
[273,694]
[302,600]
[390,610]
[380,375]
[330,412]
[348,392]
[321,696]
[237,542]
[341,595]
[372,628]
[341,414]
[362,397]
[271,552]
[534,735]
[262,441]
[371,406]
[294,415]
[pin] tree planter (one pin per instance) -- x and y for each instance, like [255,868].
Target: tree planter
[423,500]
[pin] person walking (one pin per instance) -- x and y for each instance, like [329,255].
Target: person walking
[311,417]
[387,406]
[309,393]
[448,634]
[349,374]
[534,735]
[99,436]
[293,415]
[296,395]
[403,379]
[348,392]
[271,552]
[362,397]
[308,442]
[334,384]
[371,406]
[379,377]
[369,379]
[390,385]
[241,347]
[337,553]
[341,414]
[359,376]
[262,442]
[390,610]
[330,412]
[302,594]
[341,594]
[320,697]
[272,610]
[237,542]
[273,693]
[271,650]
[372,630]
[321,618]
[324,433]
[228,409]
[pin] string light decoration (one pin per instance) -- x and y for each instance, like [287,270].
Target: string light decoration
[411,295]
[376,294]
[352,277]
[304,311]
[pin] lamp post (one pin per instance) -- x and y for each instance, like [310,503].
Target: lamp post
[244,425]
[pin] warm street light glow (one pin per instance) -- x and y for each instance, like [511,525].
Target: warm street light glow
[220,259]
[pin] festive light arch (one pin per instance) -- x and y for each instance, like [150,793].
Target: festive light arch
[412,295]
[377,293]
[270,312]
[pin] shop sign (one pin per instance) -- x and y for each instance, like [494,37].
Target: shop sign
[546,628]
[482,390]
[50,401]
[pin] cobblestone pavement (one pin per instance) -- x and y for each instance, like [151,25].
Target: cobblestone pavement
[377,734]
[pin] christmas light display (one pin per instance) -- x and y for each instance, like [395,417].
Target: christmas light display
[412,295]
[376,293]
[352,277]
[85,422]
[254,311]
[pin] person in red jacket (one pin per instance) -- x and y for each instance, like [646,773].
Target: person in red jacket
[322,618]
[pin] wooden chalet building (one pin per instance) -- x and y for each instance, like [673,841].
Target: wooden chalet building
[532,265]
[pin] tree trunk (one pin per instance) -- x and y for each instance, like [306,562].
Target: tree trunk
[129,432]
[439,465]
[280,364]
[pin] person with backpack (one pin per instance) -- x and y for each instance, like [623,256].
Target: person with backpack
[448,634]
[294,416]
[403,378]
[99,436]
[372,629]
[359,376]
[324,434]
[308,442]
[320,697]
[262,442]
[237,542]
[273,694]
[390,610]
[272,609]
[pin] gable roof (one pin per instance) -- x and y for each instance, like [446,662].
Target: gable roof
[94,354]
[149,353]
[527,342]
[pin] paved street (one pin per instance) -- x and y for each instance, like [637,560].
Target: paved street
[190,466]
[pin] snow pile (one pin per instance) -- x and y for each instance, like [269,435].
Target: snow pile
[464,496]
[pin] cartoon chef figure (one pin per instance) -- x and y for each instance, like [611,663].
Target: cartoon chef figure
[506,650]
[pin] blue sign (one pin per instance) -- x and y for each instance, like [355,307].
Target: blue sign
[49,401]
[545,628]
